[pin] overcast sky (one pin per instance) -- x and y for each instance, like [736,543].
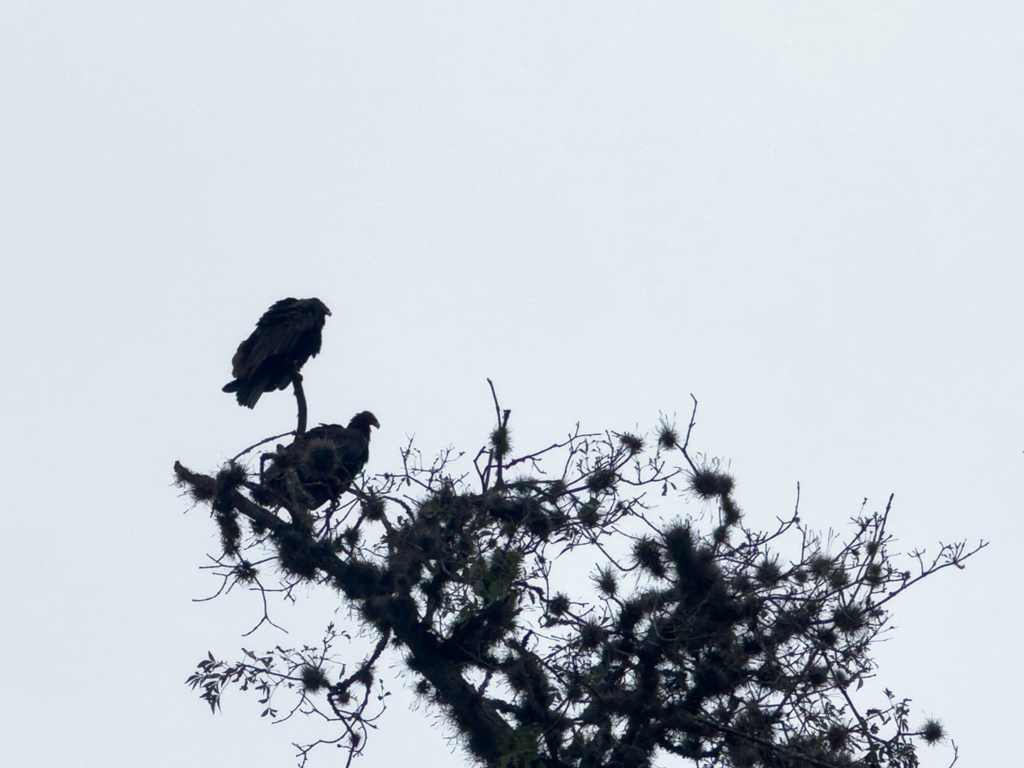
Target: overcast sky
[809,215]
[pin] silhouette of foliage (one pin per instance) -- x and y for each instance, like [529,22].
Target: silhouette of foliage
[727,646]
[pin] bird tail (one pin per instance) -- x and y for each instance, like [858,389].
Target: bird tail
[246,393]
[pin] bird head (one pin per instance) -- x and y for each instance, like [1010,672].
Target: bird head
[321,305]
[364,421]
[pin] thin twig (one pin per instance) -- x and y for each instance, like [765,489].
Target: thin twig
[261,442]
[689,429]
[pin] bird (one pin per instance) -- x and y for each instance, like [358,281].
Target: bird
[287,335]
[324,461]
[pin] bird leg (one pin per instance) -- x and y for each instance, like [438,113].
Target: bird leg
[300,398]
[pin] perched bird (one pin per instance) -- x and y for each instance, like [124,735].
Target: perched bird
[286,337]
[320,465]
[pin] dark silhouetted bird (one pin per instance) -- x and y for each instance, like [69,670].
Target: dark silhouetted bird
[320,465]
[286,337]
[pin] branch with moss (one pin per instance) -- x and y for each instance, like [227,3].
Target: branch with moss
[708,646]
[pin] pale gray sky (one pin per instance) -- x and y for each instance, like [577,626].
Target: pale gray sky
[807,214]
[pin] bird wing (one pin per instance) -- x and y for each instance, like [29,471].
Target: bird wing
[353,451]
[278,332]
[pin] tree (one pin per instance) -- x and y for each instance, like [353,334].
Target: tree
[703,644]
